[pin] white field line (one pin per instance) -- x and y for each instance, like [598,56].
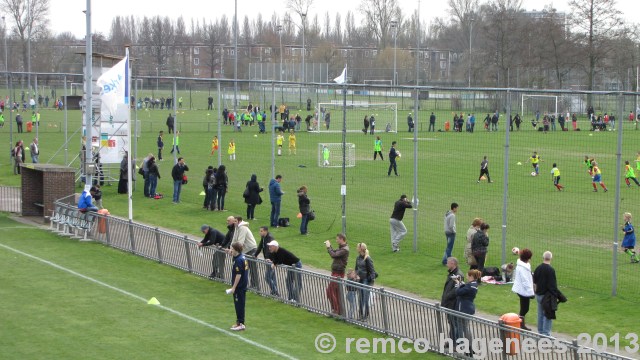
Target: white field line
[175,312]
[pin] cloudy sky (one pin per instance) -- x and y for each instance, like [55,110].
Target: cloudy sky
[67,15]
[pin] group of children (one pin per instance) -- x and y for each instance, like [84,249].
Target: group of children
[592,168]
[279,142]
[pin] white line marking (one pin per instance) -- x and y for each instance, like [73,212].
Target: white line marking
[175,312]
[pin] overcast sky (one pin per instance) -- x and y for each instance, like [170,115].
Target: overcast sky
[68,16]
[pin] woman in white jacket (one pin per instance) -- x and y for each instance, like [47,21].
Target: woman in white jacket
[523,283]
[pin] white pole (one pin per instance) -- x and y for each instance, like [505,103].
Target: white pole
[88,83]
[130,165]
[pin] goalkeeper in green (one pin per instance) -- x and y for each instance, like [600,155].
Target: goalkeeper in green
[325,155]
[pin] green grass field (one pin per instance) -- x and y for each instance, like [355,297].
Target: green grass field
[68,300]
[577,225]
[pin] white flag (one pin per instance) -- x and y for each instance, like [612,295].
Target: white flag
[114,86]
[343,77]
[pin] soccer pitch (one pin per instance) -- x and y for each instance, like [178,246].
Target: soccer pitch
[577,225]
[68,300]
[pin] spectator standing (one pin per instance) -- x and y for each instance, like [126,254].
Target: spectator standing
[468,254]
[221,187]
[154,175]
[275,196]
[243,235]
[366,275]
[465,295]
[393,154]
[253,198]
[208,182]
[145,174]
[480,245]
[450,231]
[410,122]
[340,257]
[449,296]
[365,129]
[398,230]
[170,123]
[160,144]
[35,151]
[304,204]
[523,284]
[177,174]
[280,256]
[19,122]
[547,293]
[372,124]
[239,280]
[263,247]
[123,185]
[432,122]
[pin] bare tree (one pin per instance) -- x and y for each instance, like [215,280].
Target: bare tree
[378,17]
[599,21]
[30,17]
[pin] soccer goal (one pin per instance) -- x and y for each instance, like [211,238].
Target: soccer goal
[330,155]
[385,115]
[532,104]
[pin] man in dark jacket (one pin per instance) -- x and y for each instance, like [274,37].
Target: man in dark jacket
[177,173]
[546,287]
[398,230]
[270,274]
[449,297]
[213,237]
[393,154]
[170,123]
[281,256]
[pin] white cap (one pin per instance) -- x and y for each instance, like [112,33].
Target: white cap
[273,243]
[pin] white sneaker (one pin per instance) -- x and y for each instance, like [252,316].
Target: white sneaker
[238,327]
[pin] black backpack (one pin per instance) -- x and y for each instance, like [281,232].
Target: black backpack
[283,222]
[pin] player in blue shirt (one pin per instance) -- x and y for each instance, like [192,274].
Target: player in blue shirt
[239,275]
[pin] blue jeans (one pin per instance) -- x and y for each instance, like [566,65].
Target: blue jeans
[303,224]
[275,213]
[34,158]
[153,184]
[294,283]
[270,278]
[364,300]
[220,193]
[147,183]
[351,304]
[544,324]
[451,239]
[177,187]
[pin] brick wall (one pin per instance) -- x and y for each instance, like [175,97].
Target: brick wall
[43,184]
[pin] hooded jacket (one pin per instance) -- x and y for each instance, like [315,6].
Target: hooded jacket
[244,236]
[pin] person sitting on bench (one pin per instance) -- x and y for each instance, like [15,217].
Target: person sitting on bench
[84,202]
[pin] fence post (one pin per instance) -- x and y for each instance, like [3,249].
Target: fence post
[503,338]
[188,253]
[385,313]
[158,245]
[106,230]
[131,239]
[439,320]
[576,348]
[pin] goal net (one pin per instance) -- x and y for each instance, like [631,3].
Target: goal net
[330,155]
[385,116]
[538,104]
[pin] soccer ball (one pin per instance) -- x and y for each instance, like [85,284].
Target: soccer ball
[515,250]
[533,173]
[398,152]
[255,135]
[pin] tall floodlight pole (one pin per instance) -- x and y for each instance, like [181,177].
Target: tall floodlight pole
[235,59]
[88,76]
[29,22]
[394,26]
[279,30]
[304,17]
[6,56]
[416,107]
[470,32]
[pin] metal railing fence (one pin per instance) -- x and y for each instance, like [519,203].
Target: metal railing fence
[395,315]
